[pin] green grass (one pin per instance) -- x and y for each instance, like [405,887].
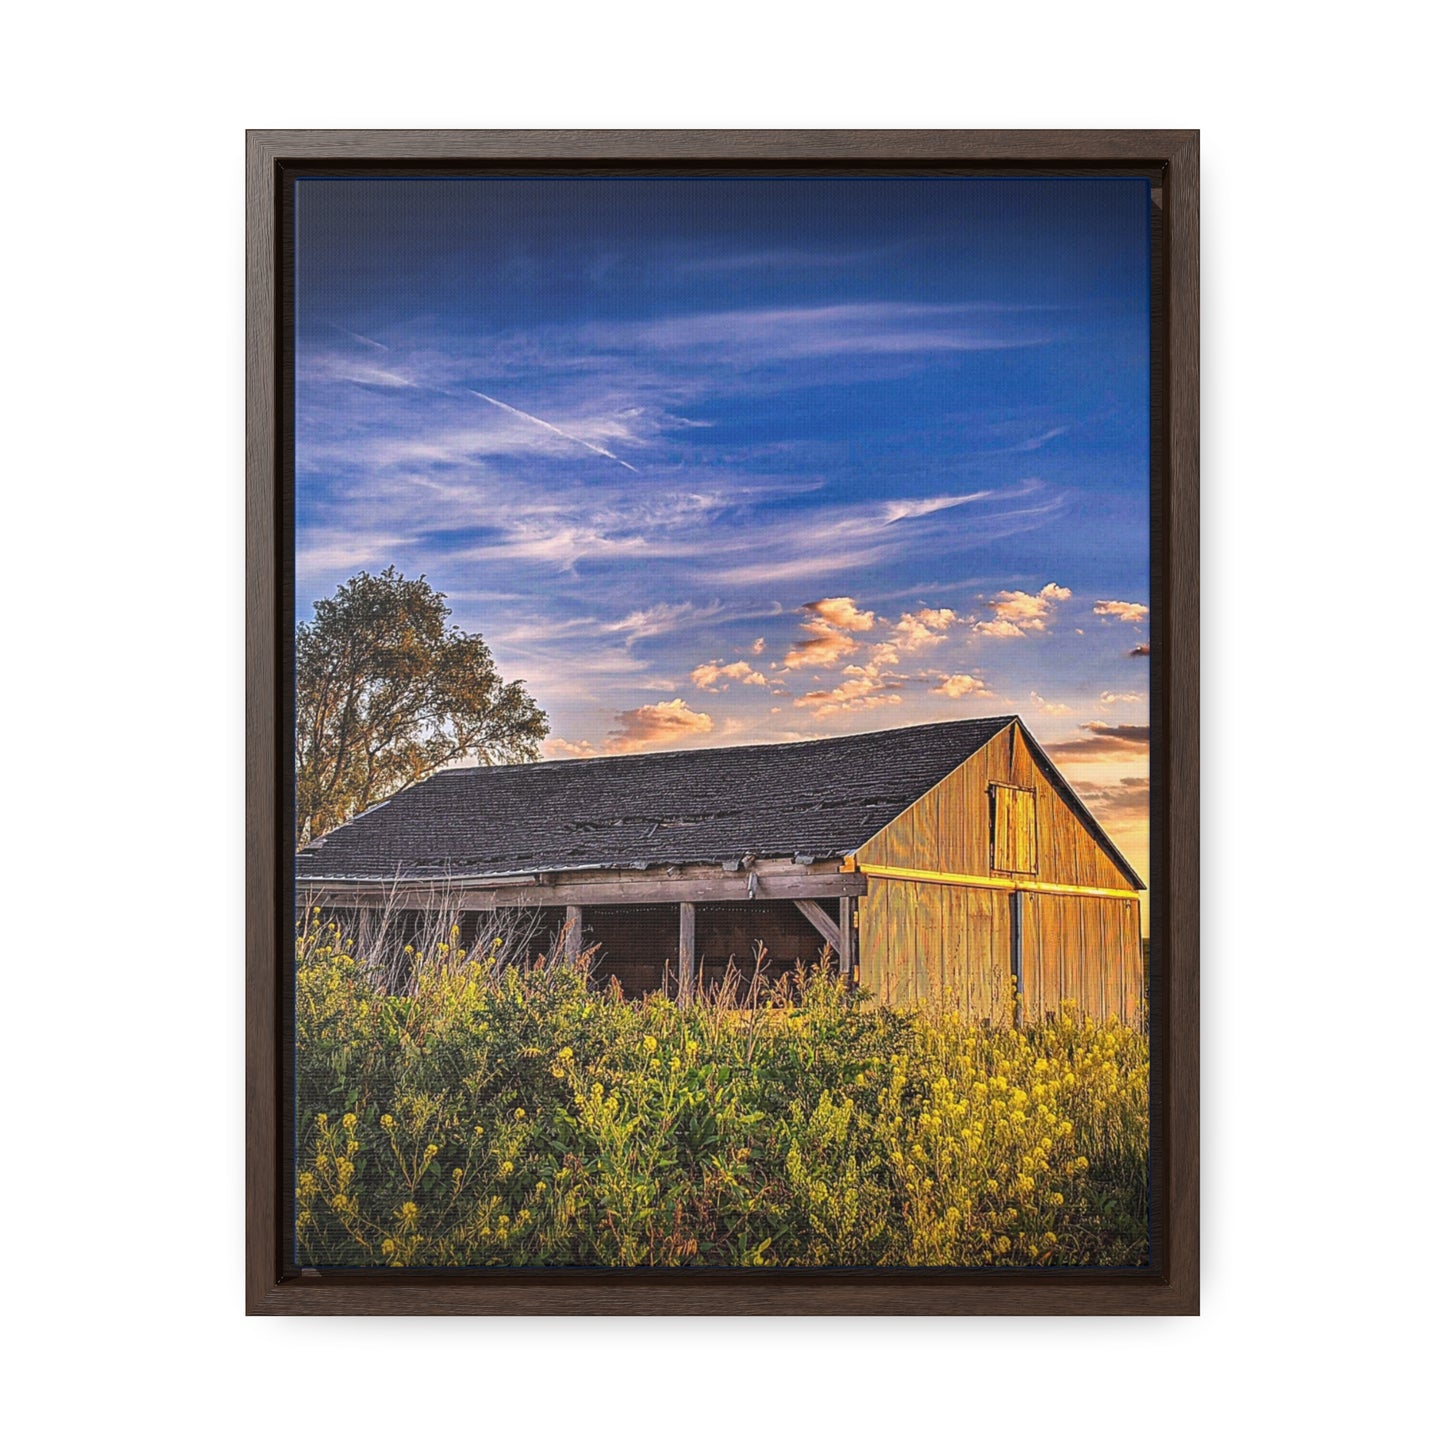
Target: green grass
[497,1115]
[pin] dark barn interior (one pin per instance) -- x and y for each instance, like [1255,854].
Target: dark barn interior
[729,932]
[635,943]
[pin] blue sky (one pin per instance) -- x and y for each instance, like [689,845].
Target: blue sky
[715,460]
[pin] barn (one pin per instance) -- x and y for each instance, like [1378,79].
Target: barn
[950,863]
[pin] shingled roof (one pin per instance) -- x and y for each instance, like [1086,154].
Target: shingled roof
[810,800]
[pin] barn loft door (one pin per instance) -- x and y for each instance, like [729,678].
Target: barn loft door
[1014,829]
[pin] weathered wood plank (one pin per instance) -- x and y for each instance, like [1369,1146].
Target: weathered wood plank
[572,941]
[847,942]
[686,949]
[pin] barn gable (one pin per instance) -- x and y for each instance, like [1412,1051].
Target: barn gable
[953,822]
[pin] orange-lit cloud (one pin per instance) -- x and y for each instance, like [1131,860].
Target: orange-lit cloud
[829,629]
[862,689]
[759,645]
[842,612]
[1141,651]
[923,628]
[1018,613]
[712,676]
[824,648]
[1110,698]
[1124,611]
[561,748]
[961,684]
[657,723]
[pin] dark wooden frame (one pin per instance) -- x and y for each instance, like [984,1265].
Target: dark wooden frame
[1171,1284]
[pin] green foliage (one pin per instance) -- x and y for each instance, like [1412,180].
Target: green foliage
[386,693]
[497,1115]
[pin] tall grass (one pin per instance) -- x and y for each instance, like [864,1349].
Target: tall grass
[495,1112]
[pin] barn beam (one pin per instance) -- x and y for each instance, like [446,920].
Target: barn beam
[572,935]
[968,880]
[818,917]
[618,889]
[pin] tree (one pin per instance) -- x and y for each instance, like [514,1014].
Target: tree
[387,693]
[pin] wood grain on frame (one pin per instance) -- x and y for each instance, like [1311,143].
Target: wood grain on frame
[1171,1284]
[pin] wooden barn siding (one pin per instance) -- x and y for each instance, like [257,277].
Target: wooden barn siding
[926,941]
[1085,949]
[922,940]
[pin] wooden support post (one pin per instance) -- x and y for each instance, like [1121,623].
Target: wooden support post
[686,945]
[848,943]
[572,942]
[1016,954]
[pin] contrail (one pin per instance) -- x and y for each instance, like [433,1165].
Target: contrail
[517,411]
[357,336]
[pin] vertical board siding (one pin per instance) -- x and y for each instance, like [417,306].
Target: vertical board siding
[1083,949]
[951,943]
[921,942]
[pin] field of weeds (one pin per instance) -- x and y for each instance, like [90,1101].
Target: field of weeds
[497,1113]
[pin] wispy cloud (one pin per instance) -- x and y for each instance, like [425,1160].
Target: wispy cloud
[662,618]
[325,553]
[1052,709]
[878,328]
[1104,740]
[1115,803]
[901,508]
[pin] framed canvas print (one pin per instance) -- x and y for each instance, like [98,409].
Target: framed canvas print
[722,736]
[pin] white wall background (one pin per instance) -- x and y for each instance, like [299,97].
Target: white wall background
[122,351]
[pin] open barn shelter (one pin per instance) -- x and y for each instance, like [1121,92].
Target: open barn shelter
[949,863]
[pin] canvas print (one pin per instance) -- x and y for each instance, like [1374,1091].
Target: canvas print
[721,697]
